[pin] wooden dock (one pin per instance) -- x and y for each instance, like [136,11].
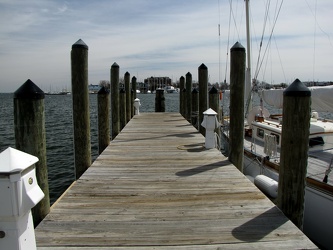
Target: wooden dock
[156,187]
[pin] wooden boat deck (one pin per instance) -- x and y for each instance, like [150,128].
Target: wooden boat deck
[156,187]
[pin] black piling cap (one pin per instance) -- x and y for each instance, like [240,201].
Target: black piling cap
[188,74]
[213,90]
[80,45]
[29,90]
[115,65]
[133,78]
[122,91]
[202,66]
[237,47]
[195,91]
[297,88]
[127,74]
[103,91]
[182,77]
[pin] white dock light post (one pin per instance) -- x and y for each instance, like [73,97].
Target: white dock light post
[137,105]
[19,193]
[210,123]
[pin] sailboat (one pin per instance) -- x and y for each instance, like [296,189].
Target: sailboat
[262,144]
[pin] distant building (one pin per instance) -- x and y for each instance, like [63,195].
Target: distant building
[153,83]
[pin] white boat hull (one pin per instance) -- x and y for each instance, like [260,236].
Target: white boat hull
[318,209]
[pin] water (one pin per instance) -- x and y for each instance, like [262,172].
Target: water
[59,133]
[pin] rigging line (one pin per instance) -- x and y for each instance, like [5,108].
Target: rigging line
[270,37]
[314,44]
[278,52]
[226,65]
[262,35]
[234,19]
[218,2]
[325,33]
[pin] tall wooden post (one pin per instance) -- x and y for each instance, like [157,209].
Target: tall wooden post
[195,108]
[214,99]
[181,96]
[294,151]
[159,101]
[203,90]
[133,94]
[103,104]
[214,104]
[188,80]
[81,113]
[29,123]
[122,108]
[128,91]
[115,100]
[184,102]
[237,79]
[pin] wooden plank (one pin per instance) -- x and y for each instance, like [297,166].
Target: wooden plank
[156,187]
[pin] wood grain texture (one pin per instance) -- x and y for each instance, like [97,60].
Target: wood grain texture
[156,187]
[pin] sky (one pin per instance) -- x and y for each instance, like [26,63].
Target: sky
[162,38]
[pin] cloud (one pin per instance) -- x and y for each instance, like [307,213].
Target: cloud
[149,37]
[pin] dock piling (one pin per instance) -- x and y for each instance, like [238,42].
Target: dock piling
[195,108]
[214,105]
[181,96]
[81,113]
[188,104]
[203,91]
[128,91]
[159,101]
[29,124]
[237,79]
[214,99]
[133,95]
[103,105]
[122,108]
[114,75]
[294,151]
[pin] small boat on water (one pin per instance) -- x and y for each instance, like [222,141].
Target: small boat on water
[170,89]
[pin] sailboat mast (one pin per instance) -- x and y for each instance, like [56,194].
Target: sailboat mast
[248,101]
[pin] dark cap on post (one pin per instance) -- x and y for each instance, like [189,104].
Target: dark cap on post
[202,66]
[195,91]
[29,90]
[213,90]
[237,47]
[297,88]
[115,65]
[80,45]
[103,91]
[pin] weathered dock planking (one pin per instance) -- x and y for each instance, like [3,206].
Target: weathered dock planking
[156,187]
